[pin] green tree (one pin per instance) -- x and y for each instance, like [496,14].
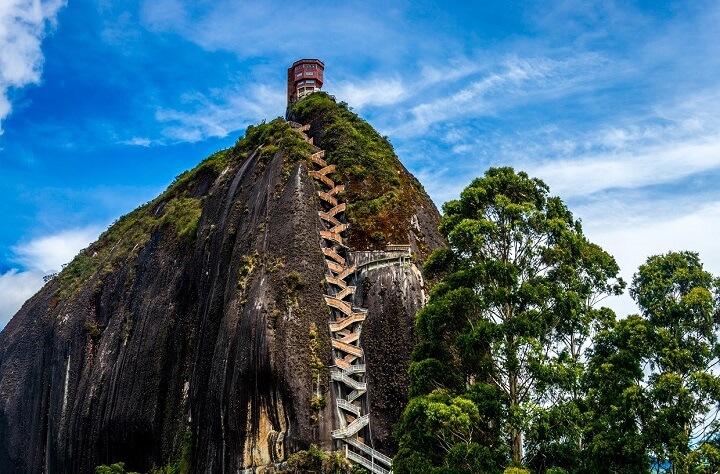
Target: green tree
[515,306]
[677,299]
[617,401]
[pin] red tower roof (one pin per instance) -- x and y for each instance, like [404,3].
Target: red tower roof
[304,77]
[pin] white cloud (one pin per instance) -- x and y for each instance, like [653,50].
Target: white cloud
[15,288]
[23,24]
[516,81]
[49,253]
[374,91]
[137,141]
[669,144]
[38,257]
[656,165]
[449,71]
[631,233]
[222,112]
[261,29]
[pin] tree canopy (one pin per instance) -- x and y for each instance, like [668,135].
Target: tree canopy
[519,368]
[514,308]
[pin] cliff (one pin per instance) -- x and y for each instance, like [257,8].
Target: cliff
[194,331]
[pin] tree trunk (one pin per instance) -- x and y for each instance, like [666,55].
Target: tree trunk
[516,445]
[516,435]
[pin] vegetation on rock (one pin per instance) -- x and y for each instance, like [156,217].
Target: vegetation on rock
[380,192]
[178,209]
[315,460]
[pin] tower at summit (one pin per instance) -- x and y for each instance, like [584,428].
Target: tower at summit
[304,77]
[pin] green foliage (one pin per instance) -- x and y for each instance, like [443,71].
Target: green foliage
[515,307]
[677,300]
[271,137]
[652,389]
[306,461]
[439,431]
[315,460]
[117,468]
[77,272]
[245,270]
[178,209]
[183,214]
[380,192]
[183,465]
[705,459]
[335,463]
[614,441]
[93,329]
[318,401]
[515,470]
[357,469]
[293,284]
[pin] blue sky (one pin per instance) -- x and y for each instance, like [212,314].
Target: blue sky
[614,104]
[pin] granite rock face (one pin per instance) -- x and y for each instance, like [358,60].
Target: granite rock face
[126,357]
[392,293]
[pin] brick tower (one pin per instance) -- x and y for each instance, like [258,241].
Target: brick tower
[304,77]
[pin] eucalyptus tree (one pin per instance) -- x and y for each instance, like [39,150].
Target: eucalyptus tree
[617,402]
[515,305]
[678,301]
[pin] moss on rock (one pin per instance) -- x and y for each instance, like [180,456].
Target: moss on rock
[382,195]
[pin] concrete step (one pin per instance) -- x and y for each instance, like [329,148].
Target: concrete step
[343,306]
[334,255]
[340,376]
[347,406]
[317,158]
[333,237]
[341,363]
[328,182]
[367,464]
[350,338]
[345,322]
[348,348]
[299,127]
[340,228]
[354,395]
[352,428]
[337,209]
[327,198]
[337,189]
[328,218]
[345,292]
[376,455]
[349,271]
[335,267]
[326,170]
[333,280]
[349,368]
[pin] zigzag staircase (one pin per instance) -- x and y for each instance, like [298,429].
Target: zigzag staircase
[348,372]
